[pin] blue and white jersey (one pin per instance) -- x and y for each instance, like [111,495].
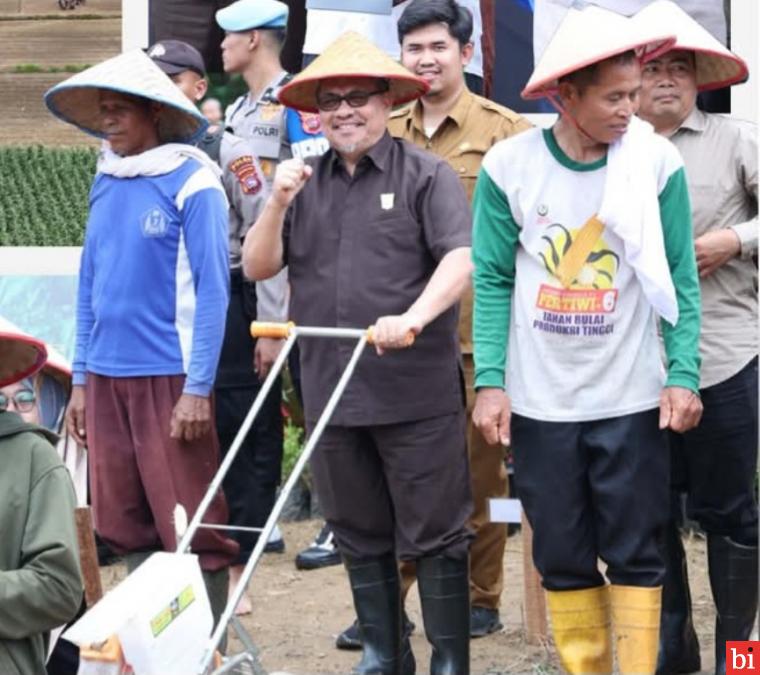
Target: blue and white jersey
[154,278]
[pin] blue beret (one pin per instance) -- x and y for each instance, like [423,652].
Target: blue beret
[251,14]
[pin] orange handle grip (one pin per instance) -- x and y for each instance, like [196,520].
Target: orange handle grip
[267,329]
[408,338]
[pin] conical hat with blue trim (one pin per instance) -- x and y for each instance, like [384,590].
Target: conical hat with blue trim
[20,354]
[76,100]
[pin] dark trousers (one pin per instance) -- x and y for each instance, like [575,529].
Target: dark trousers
[251,483]
[592,490]
[488,475]
[401,489]
[716,463]
[139,474]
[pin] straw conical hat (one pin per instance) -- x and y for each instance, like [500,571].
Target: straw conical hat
[351,55]
[590,35]
[20,354]
[77,99]
[716,66]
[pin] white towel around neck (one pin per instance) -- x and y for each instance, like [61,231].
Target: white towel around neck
[157,161]
[630,208]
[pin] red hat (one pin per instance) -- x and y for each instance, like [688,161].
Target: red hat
[20,355]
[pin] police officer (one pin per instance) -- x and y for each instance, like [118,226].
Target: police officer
[255,35]
[251,484]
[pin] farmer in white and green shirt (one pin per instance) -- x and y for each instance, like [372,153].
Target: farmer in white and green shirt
[582,241]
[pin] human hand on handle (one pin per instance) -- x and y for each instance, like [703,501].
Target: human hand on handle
[395,332]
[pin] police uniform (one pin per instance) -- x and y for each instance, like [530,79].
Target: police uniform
[251,486]
[261,121]
[473,125]
[275,132]
[272,133]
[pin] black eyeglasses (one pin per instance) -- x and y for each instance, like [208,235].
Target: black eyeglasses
[355,99]
[23,400]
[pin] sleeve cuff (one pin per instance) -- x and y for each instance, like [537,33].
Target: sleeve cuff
[78,379]
[492,377]
[748,234]
[685,381]
[197,389]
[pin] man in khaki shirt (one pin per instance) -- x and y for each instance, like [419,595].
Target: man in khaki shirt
[461,127]
[715,464]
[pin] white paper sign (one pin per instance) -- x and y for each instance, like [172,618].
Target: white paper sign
[504,510]
[160,613]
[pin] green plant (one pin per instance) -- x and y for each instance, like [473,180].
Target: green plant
[28,68]
[292,446]
[24,68]
[70,68]
[226,88]
[44,199]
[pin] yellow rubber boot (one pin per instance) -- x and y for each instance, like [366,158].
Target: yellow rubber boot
[581,628]
[636,622]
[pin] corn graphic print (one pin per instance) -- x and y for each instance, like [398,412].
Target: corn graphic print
[597,271]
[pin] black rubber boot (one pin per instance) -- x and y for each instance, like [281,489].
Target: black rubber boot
[733,579]
[445,597]
[377,600]
[679,648]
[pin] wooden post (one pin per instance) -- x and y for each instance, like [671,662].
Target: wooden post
[534,602]
[88,555]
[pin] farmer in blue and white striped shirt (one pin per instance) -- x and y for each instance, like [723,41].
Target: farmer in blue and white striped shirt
[153,294]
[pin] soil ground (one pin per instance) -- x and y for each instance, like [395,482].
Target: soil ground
[38,33]
[297,615]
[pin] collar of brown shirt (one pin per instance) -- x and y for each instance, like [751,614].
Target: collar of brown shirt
[377,155]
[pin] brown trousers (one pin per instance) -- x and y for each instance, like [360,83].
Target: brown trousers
[488,477]
[138,474]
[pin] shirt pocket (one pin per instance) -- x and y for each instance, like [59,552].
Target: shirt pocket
[466,161]
[395,216]
[391,231]
[705,198]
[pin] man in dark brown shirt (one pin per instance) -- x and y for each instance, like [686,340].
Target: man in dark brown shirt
[377,231]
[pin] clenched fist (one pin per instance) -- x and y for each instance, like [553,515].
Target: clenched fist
[290,176]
